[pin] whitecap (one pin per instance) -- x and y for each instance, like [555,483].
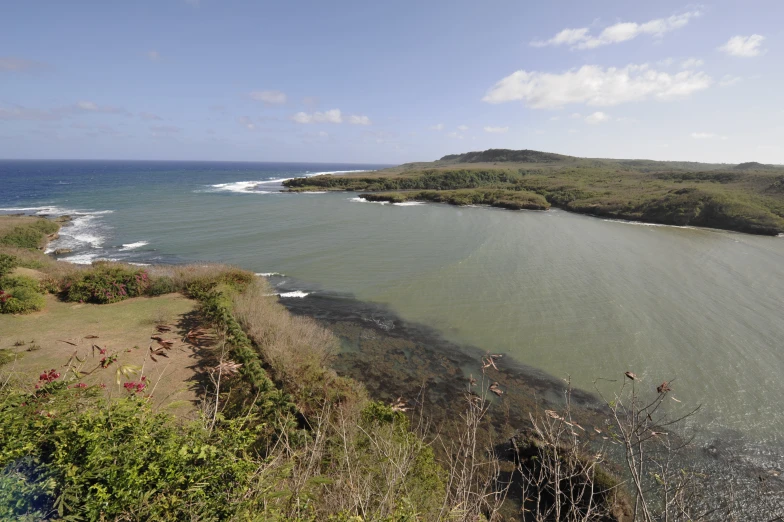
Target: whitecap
[85,258]
[243,187]
[408,203]
[268,274]
[131,246]
[311,174]
[313,192]
[295,293]
[363,200]
[644,224]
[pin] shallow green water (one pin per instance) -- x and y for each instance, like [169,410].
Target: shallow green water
[569,294]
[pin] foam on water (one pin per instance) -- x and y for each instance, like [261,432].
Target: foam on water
[242,187]
[408,204]
[131,246]
[268,274]
[363,200]
[295,293]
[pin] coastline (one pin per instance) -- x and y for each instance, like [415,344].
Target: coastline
[716,200]
[381,197]
[395,359]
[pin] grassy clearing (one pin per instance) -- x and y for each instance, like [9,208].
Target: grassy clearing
[48,339]
[748,199]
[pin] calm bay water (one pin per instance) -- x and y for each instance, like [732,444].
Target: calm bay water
[568,294]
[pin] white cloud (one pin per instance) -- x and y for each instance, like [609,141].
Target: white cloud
[596,118]
[692,63]
[573,131]
[247,123]
[462,128]
[576,116]
[92,107]
[153,55]
[621,32]
[729,79]
[496,130]
[555,118]
[707,136]
[27,114]
[323,134]
[331,116]
[165,129]
[149,116]
[269,97]
[567,36]
[744,46]
[355,119]
[438,127]
[17,112]
[8,63]
[666,62]
[595,85]
[455,135]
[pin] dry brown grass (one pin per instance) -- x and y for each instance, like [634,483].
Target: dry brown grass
[297,350]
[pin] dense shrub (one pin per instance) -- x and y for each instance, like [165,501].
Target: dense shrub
[161,285]
[106,283]
[31,235]
[65,452]
[234,278]
[20,295]
[216,307]
[7,263]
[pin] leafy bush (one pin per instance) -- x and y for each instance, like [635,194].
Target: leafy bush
[64,451]
[7,263]
[19,295]
[234,278]
[106,283]
[161,285]
[31,235]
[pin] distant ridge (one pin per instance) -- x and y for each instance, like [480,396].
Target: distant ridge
[507,155]
[753,165]
[549,158]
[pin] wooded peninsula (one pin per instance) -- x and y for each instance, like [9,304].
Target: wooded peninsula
[748,197]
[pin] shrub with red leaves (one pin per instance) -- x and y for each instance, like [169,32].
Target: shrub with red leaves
[49,376]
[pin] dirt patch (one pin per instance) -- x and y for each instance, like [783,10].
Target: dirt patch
[82,335]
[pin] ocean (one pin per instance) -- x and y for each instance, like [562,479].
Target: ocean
[571,296]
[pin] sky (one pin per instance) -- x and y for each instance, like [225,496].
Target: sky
[391,82]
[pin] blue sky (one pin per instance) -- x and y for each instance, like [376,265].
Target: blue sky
[390,82]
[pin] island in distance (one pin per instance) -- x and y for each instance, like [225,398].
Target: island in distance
[748,197]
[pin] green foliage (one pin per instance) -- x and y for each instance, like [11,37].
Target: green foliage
[509,199]
[162,285]
[20,295]
[235,279]
[105,283]
[65,452]
[31,235]
[7,356]
[7,263]
[749,198]
[216,307]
